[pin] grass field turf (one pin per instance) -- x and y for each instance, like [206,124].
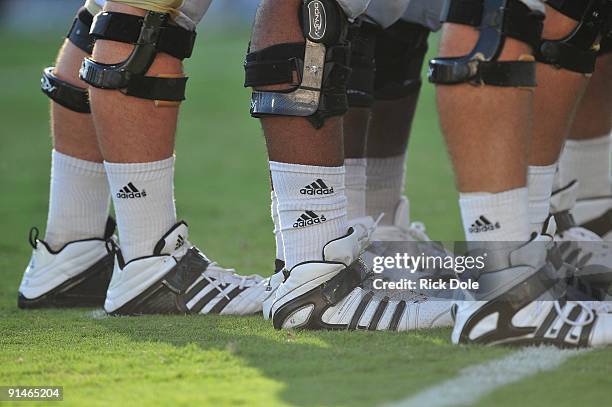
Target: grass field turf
[221,183]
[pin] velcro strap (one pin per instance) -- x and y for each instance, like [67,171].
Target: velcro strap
[79,31]
[274,65]
[173,40]
[506,73]
[157,88]
[520,22]
[570,8]
[63,93]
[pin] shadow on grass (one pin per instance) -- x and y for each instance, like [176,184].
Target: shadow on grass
[315,368]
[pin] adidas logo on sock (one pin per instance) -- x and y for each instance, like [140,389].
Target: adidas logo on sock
[130,192]
[309,218]
[483,224]
[180,241]
[317,188]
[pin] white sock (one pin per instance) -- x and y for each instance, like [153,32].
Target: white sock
[539,183]
[355,180]
[143,195]
[502,216]
[311,208]
[278,238]
[79,200]
[588,161]
[385,186]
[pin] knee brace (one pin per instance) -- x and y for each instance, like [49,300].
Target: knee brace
[496,19]
[400,50]
[63,93]
[317,70]
[578,50]
[360,87]
[150,35]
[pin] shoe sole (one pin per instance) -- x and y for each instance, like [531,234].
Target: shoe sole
[87,289]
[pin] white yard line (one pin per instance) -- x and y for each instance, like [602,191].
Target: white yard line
[474,382]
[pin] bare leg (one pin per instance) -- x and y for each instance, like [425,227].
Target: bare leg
[487,130]
[79,201]
[73,133]
[594,115]
[292,144]
[490,126]
[137,141]
[556,98]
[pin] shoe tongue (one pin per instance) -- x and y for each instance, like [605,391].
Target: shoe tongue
[173,240]
[564,198]
[347,248]
[401,217]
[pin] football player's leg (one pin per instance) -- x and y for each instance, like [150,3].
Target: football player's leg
[136,84]
[79,198]
[586,156]
[300,111]
[562,79]
[400,53]
[556,98]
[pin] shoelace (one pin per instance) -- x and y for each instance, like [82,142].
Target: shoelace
[590,314]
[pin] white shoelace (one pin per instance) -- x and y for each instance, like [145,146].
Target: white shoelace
[589,311]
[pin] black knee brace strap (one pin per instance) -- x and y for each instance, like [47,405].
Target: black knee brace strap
[496,19]
[578,50]
[79,31]
[606,46]
[400,50]
[360,87]
[150,35]
[70,96]
[317,70]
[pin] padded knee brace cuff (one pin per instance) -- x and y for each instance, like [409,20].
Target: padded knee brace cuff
[360,88]
[79,31]
[63,93]
[150,35]
[316,72]
[578,50]
[400,50]
[496,19]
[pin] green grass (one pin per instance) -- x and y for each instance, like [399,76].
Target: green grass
[222,191]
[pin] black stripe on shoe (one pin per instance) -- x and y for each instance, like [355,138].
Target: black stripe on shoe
[548,321]
[359,311]
[195,290]
[572,316]
[219,306]
[397,315]
[380,310]
[206,299]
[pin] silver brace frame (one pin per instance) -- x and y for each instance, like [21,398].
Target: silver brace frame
[302,102]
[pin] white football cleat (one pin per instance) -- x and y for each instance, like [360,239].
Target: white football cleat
[179,279]
[77,275]
[579,246]
[527,302]
[330,294]
[401,229]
